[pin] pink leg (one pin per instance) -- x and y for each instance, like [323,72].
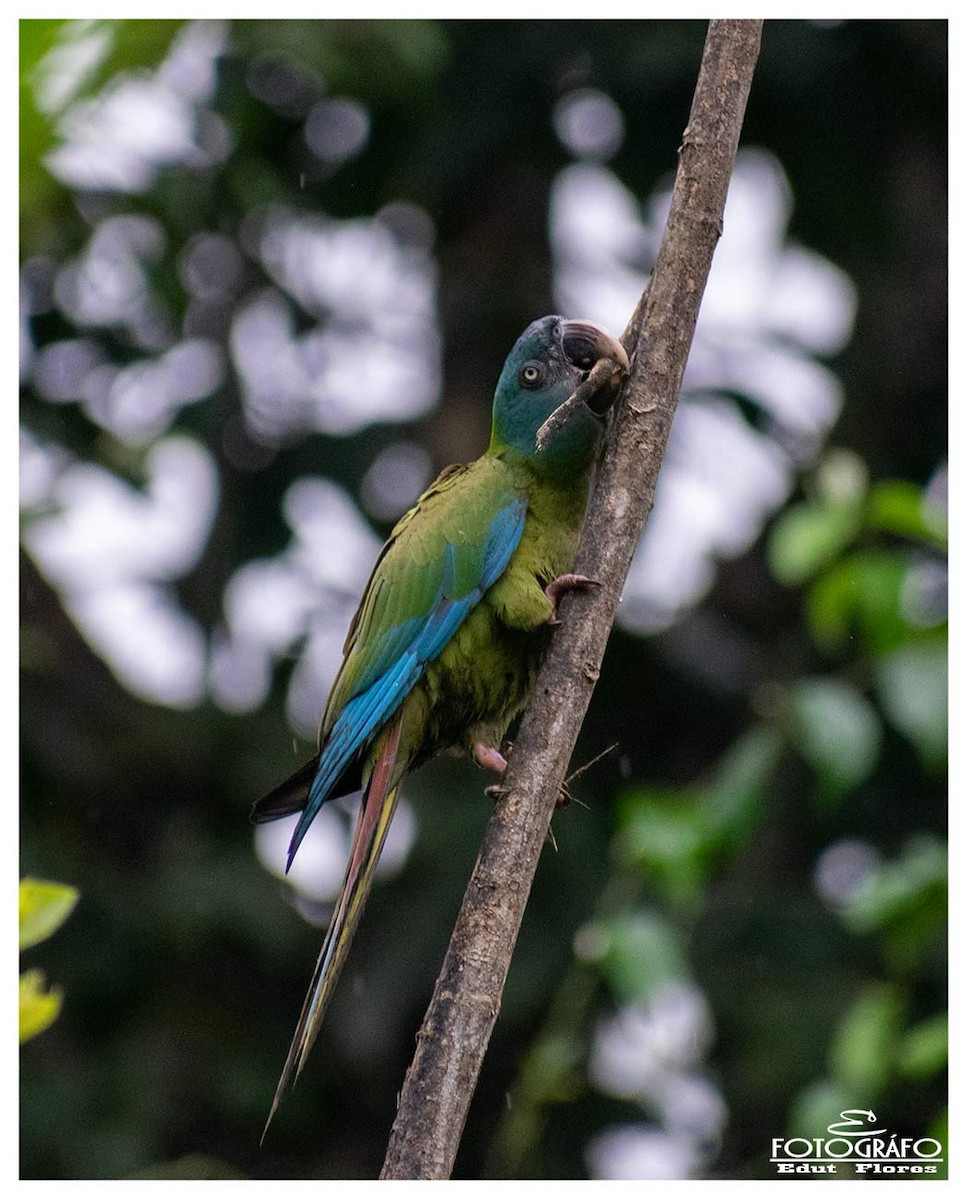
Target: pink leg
[565,583]
[489,758]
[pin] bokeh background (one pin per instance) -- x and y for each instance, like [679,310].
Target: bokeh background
[270,272]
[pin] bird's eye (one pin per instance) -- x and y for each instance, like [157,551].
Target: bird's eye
[531,375]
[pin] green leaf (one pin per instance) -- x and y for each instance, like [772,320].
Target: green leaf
[911,888]
[865,1045]
[820,1103]
[730,801]
[62,62]
[36,39]
[552,1070]
[663,833]
[636,953]
[912,685]
[860,595]
[897,506]
[71,63]
[44,907]
[84,55]
[38,1008]
[924,1049]
[674,834]
[837,731]
[807,537]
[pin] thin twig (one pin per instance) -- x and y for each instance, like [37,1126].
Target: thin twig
[453,1038]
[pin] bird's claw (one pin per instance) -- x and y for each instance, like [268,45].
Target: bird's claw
[569,582]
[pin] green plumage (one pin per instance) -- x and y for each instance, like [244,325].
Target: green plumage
[483,676]
[443,651]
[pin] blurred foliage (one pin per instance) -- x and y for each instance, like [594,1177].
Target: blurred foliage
[674,848]
[794,721]
[44,907]
[62,62]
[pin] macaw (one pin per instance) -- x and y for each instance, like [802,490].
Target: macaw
[445,646]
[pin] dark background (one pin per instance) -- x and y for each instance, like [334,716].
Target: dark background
[183,966]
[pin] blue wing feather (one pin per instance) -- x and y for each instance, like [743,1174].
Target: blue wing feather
[418,641]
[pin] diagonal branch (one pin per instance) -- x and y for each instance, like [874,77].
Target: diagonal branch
[453,1038]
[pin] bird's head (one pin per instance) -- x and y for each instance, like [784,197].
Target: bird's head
[548,364]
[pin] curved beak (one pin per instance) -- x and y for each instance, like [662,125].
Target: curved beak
[586,343]
[601,359]
[601,363]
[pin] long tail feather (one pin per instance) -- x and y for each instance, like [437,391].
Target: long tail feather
[292,795]
[288,797]
[376,811]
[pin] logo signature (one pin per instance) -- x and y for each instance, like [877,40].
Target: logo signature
[853,1146]
[851,1117]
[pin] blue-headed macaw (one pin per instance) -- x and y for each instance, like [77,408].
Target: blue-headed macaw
[444,648]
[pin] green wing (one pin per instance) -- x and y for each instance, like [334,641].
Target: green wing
[439,561]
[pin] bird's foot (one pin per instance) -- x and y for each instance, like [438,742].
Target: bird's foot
[489,758]
[494,760]
[565,583]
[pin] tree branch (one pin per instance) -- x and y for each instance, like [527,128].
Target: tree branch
[453,1038]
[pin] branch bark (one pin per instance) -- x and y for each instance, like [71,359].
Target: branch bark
[453,1038]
